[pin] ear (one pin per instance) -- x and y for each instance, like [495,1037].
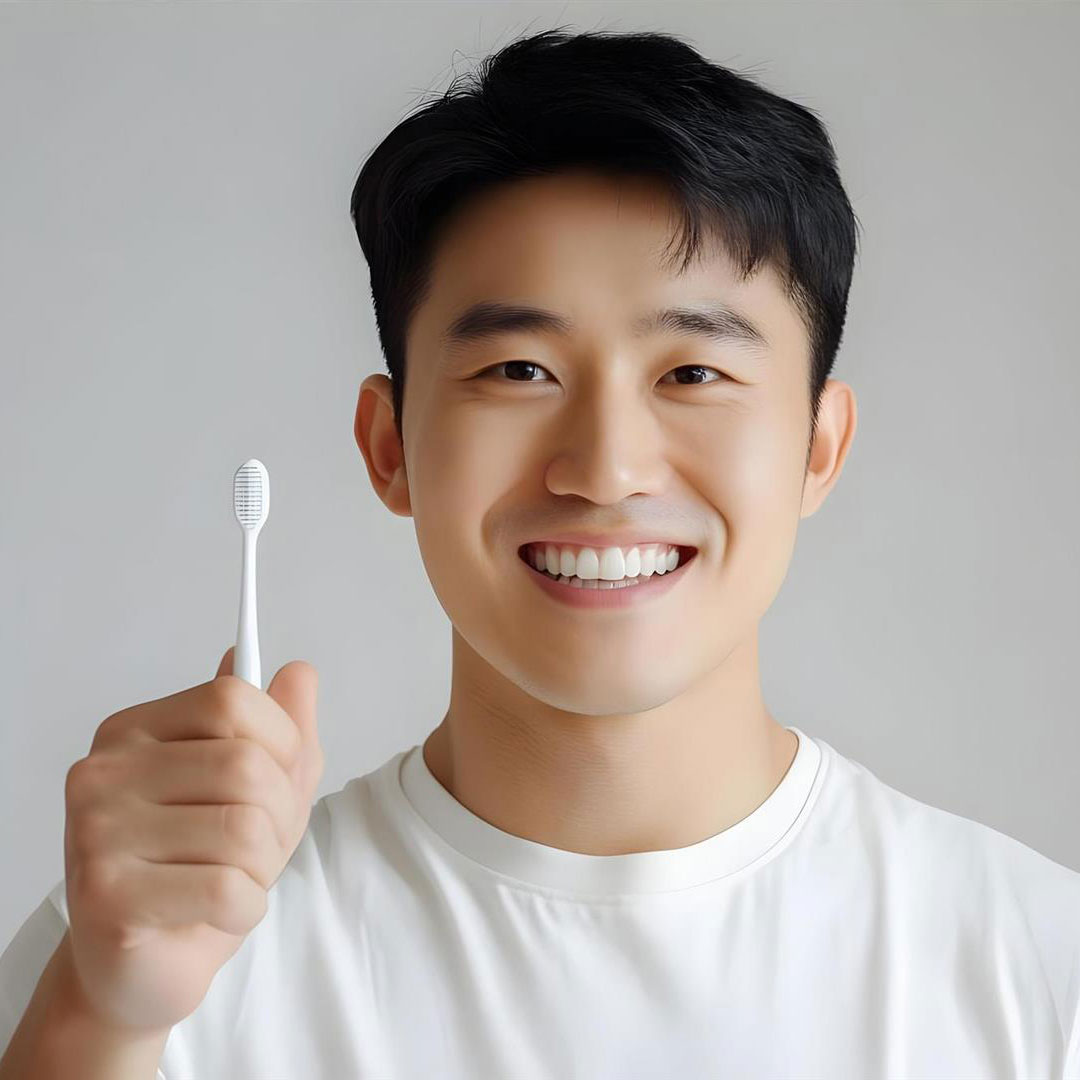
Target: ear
[377,437]
[835,430]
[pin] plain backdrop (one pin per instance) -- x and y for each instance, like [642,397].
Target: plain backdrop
[181,289]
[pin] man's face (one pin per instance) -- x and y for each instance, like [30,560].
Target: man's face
[604,433]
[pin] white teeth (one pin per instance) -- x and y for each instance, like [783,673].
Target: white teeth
[607,564]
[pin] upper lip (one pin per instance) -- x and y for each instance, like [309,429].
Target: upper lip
[619,538]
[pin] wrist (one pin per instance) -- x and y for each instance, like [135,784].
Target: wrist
[79,1024]
[61,1036]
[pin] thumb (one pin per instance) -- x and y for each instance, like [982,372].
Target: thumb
[295,688]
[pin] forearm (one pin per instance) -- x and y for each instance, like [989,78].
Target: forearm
[58,1038]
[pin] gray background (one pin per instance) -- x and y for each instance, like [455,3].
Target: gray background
[181,289]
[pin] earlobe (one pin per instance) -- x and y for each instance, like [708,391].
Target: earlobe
[377,437]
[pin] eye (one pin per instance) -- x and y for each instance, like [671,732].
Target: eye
[699,367]
[518,365]
[515,364]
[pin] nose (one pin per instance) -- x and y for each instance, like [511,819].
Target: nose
[608,447]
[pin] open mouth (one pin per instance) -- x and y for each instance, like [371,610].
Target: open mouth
[686,555]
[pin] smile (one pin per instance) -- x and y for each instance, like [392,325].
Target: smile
[604,567]
[602,593]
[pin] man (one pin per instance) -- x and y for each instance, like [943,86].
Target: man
[609,859]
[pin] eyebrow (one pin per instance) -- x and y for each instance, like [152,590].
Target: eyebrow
[715,321]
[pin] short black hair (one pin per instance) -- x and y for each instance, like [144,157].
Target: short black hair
[757,170]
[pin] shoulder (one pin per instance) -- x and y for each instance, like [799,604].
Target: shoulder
[976,897]
[950,842]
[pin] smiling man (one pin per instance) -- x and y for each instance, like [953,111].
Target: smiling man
[610,281]
[605,459]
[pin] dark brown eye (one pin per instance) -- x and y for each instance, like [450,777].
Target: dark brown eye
[517,366]
[697,368]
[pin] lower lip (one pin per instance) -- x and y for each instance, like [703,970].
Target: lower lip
[652,587]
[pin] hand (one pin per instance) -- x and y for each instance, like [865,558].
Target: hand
[178,823]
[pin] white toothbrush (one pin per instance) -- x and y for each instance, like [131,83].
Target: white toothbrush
[251,504]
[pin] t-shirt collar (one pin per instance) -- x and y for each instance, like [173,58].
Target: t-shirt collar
[718,856]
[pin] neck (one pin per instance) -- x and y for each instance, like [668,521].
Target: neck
[610,785]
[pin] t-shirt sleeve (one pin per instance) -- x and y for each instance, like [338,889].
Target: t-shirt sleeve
[26,957]
[23,961]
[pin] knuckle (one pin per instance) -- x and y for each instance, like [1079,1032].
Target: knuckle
[216,712]
[243,826]
[84,779]
[90,831]
[245,767]
[228,701]
[98,882]
[224,887]
[75,780]
[296,744]
[106,731]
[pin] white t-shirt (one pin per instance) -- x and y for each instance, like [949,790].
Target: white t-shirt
[841,930]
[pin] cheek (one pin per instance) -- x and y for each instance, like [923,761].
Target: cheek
[760,469]
[762,491]
[458,478]
[745,461]
[478,458]
[752,478]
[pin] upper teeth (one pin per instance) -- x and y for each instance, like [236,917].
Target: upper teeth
[610,564]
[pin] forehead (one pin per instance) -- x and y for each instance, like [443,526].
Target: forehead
[604,250]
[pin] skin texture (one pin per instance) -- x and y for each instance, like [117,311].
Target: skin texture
[602,732]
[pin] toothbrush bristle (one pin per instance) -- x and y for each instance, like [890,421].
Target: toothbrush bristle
[250,493]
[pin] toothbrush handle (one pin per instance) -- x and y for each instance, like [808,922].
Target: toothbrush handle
[246,658]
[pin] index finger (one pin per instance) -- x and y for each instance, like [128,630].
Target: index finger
[227,707]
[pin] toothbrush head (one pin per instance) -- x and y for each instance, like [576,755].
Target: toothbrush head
[251,495]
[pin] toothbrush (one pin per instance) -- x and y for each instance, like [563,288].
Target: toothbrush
[251,504]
